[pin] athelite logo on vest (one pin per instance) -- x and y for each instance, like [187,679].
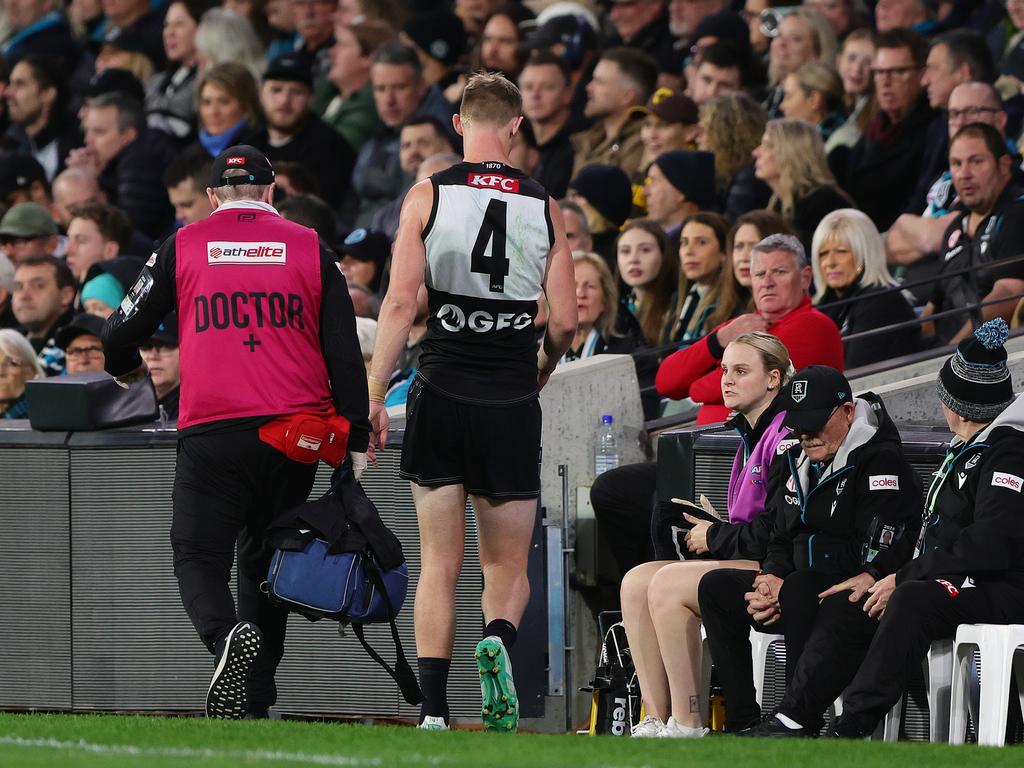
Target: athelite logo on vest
[223,252]
[492,181]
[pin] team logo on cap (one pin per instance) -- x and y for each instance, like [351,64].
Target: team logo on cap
[356,236]
[798,391]
[235,161]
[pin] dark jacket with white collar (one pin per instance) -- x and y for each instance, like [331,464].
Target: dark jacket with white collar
[864,513]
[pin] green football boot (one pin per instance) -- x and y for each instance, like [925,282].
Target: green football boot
[500,707]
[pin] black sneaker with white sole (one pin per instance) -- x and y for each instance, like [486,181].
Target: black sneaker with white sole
[226,699]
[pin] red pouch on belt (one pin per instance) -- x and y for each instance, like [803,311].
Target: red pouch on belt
[308,437]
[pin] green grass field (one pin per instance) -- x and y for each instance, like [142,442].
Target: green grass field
[99,741]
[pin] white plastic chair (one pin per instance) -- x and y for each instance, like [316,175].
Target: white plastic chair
[1001,651]
[760,644]
[938,676]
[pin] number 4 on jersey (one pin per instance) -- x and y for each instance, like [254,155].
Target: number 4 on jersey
[492,230]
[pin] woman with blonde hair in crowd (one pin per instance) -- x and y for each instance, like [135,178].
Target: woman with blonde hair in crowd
[730,128]
[659,599]
[750,229]
[791,160]
[650,275]
[708,294]
[228,105]
[804,35]
[848,259]
[18,364]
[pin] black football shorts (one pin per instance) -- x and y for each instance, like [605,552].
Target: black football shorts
[492,451]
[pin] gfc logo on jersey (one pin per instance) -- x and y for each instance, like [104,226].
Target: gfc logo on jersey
[221,252]
[453,319]
[493,181]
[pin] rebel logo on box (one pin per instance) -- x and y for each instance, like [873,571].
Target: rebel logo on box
[221,252]
[493,181]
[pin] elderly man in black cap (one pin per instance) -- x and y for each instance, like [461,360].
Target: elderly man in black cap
[294,133]
[160,354]
[968,565]
[845,516]
[80,340]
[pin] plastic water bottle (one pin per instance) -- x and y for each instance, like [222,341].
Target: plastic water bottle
[606,447]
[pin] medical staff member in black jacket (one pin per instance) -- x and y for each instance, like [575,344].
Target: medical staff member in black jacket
[969,560]
[846,511]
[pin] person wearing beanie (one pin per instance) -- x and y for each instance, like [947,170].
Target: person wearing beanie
[679,184]
[605,195]
[968,565]
[439,38]
[102,294]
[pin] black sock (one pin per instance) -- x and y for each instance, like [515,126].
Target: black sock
[503,629]
[434,684]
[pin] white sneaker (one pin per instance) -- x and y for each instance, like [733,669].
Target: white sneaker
[647,728]
[432,723]
[674,730]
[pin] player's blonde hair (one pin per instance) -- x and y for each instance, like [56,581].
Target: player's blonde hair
[491,98]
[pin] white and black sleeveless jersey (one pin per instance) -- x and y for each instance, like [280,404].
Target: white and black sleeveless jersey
[487,243]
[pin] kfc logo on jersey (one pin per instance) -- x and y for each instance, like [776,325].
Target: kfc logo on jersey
[884,483]
[221,252]
[493,181]
[1006,480]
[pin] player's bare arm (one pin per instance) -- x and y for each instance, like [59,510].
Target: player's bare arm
[560,291]
[399,307]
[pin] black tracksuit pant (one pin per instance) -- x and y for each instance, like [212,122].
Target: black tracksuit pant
[230,486]
[918,613]
[624,499]
[725,618]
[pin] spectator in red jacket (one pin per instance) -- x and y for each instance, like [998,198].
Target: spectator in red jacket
[781,277]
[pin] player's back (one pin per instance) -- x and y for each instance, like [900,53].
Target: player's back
[487,243]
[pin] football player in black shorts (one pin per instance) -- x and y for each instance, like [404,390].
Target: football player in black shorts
[487,241]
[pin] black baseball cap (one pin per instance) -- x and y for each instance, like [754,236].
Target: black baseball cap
[242,157]
[812,396]
[19,170]
[296,67]
[80,324]
[367,245]
[167,332]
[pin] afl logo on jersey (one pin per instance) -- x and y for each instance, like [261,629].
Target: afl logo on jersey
[493,181]
[453,319]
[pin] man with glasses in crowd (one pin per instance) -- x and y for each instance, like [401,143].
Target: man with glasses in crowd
[885,164]
[914,237]
[80,340]
[27,230]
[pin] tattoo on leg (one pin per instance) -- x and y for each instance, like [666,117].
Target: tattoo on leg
[694,704]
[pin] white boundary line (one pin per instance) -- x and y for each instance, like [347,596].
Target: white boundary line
[187,752]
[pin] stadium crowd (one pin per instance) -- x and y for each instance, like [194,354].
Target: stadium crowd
[843,175]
